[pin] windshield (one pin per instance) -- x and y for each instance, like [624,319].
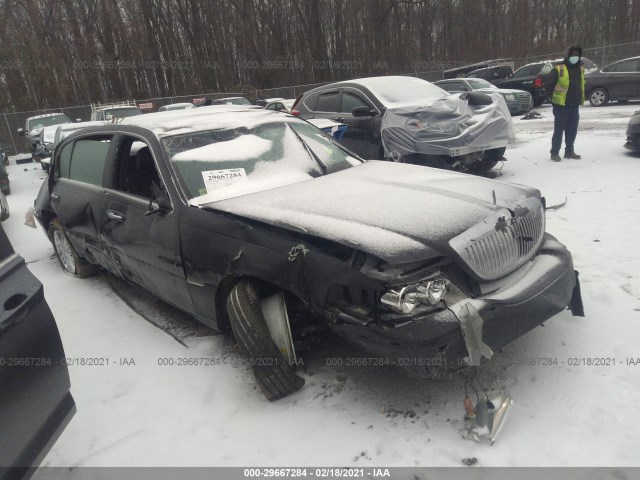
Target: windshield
[477,83]
[47,121]
[219,164]
[111,113]
[236,101]
[396,92]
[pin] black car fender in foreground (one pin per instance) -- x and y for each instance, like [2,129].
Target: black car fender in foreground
[35,398]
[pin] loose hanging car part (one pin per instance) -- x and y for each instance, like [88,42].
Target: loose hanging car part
[485,420]
[471,325]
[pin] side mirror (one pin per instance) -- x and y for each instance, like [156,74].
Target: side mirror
[21,131]
[162,202]
[362,112]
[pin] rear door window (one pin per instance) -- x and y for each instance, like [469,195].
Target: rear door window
[328,102]
[350,101]
[88,159]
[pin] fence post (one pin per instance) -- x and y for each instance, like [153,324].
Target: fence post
[15,150]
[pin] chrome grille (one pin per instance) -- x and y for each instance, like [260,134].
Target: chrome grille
[524,99]
[503,242]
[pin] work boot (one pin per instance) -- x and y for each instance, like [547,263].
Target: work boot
[555,157]
[572,156]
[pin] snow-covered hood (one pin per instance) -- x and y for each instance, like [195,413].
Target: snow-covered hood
[500,90]
[397,212]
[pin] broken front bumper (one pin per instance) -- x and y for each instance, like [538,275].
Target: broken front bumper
[434,344]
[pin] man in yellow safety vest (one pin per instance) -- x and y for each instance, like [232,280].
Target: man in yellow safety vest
[565,86]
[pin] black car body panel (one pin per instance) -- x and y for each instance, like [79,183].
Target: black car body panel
[335,243]
[633,133]
[35,399]
[620,80]
[5,185]
[375,187]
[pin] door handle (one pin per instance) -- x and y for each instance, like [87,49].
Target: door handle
[55,196]
[113,215]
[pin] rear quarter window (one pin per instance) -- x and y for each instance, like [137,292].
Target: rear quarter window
[310,102]
[64,161]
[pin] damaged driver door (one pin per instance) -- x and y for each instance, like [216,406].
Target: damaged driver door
[140,226]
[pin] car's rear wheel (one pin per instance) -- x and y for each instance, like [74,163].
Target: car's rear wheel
[273,373]
[69,259]
[490,159]
[598,97]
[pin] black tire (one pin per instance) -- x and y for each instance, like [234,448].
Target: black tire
[598,97]
[490,159]
[7,191]
[538,101]
[273,374]
[71,263]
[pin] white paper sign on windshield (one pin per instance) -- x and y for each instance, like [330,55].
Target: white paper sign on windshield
[217,179]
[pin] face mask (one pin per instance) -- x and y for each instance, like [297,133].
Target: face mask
[573,60]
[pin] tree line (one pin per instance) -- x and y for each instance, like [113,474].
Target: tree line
[69,52]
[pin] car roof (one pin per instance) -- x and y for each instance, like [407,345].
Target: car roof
[45,115]
[214,117]
[114,107]
[621,60]
[75,126]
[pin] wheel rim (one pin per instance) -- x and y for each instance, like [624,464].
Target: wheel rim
[597,97]
[63,249]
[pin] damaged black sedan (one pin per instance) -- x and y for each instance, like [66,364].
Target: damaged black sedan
[257,222]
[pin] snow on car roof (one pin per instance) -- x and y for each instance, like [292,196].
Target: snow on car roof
[45,115]
[400,91]
[214,117]
[78,125]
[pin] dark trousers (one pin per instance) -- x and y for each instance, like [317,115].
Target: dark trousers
[566,121]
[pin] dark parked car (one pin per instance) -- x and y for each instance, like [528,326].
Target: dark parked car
[633,133]
[496,72]
[531,78]
[518,101]
[4,156]
[35,398]
[414,121]
[4,207]
[619,81]
[5,185]
[257,222]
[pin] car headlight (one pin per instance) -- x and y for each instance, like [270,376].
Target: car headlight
[510,96]
[406,299]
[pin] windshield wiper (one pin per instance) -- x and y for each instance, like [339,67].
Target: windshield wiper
[313,155]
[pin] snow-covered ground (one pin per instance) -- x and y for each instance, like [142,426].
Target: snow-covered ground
[564,415]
